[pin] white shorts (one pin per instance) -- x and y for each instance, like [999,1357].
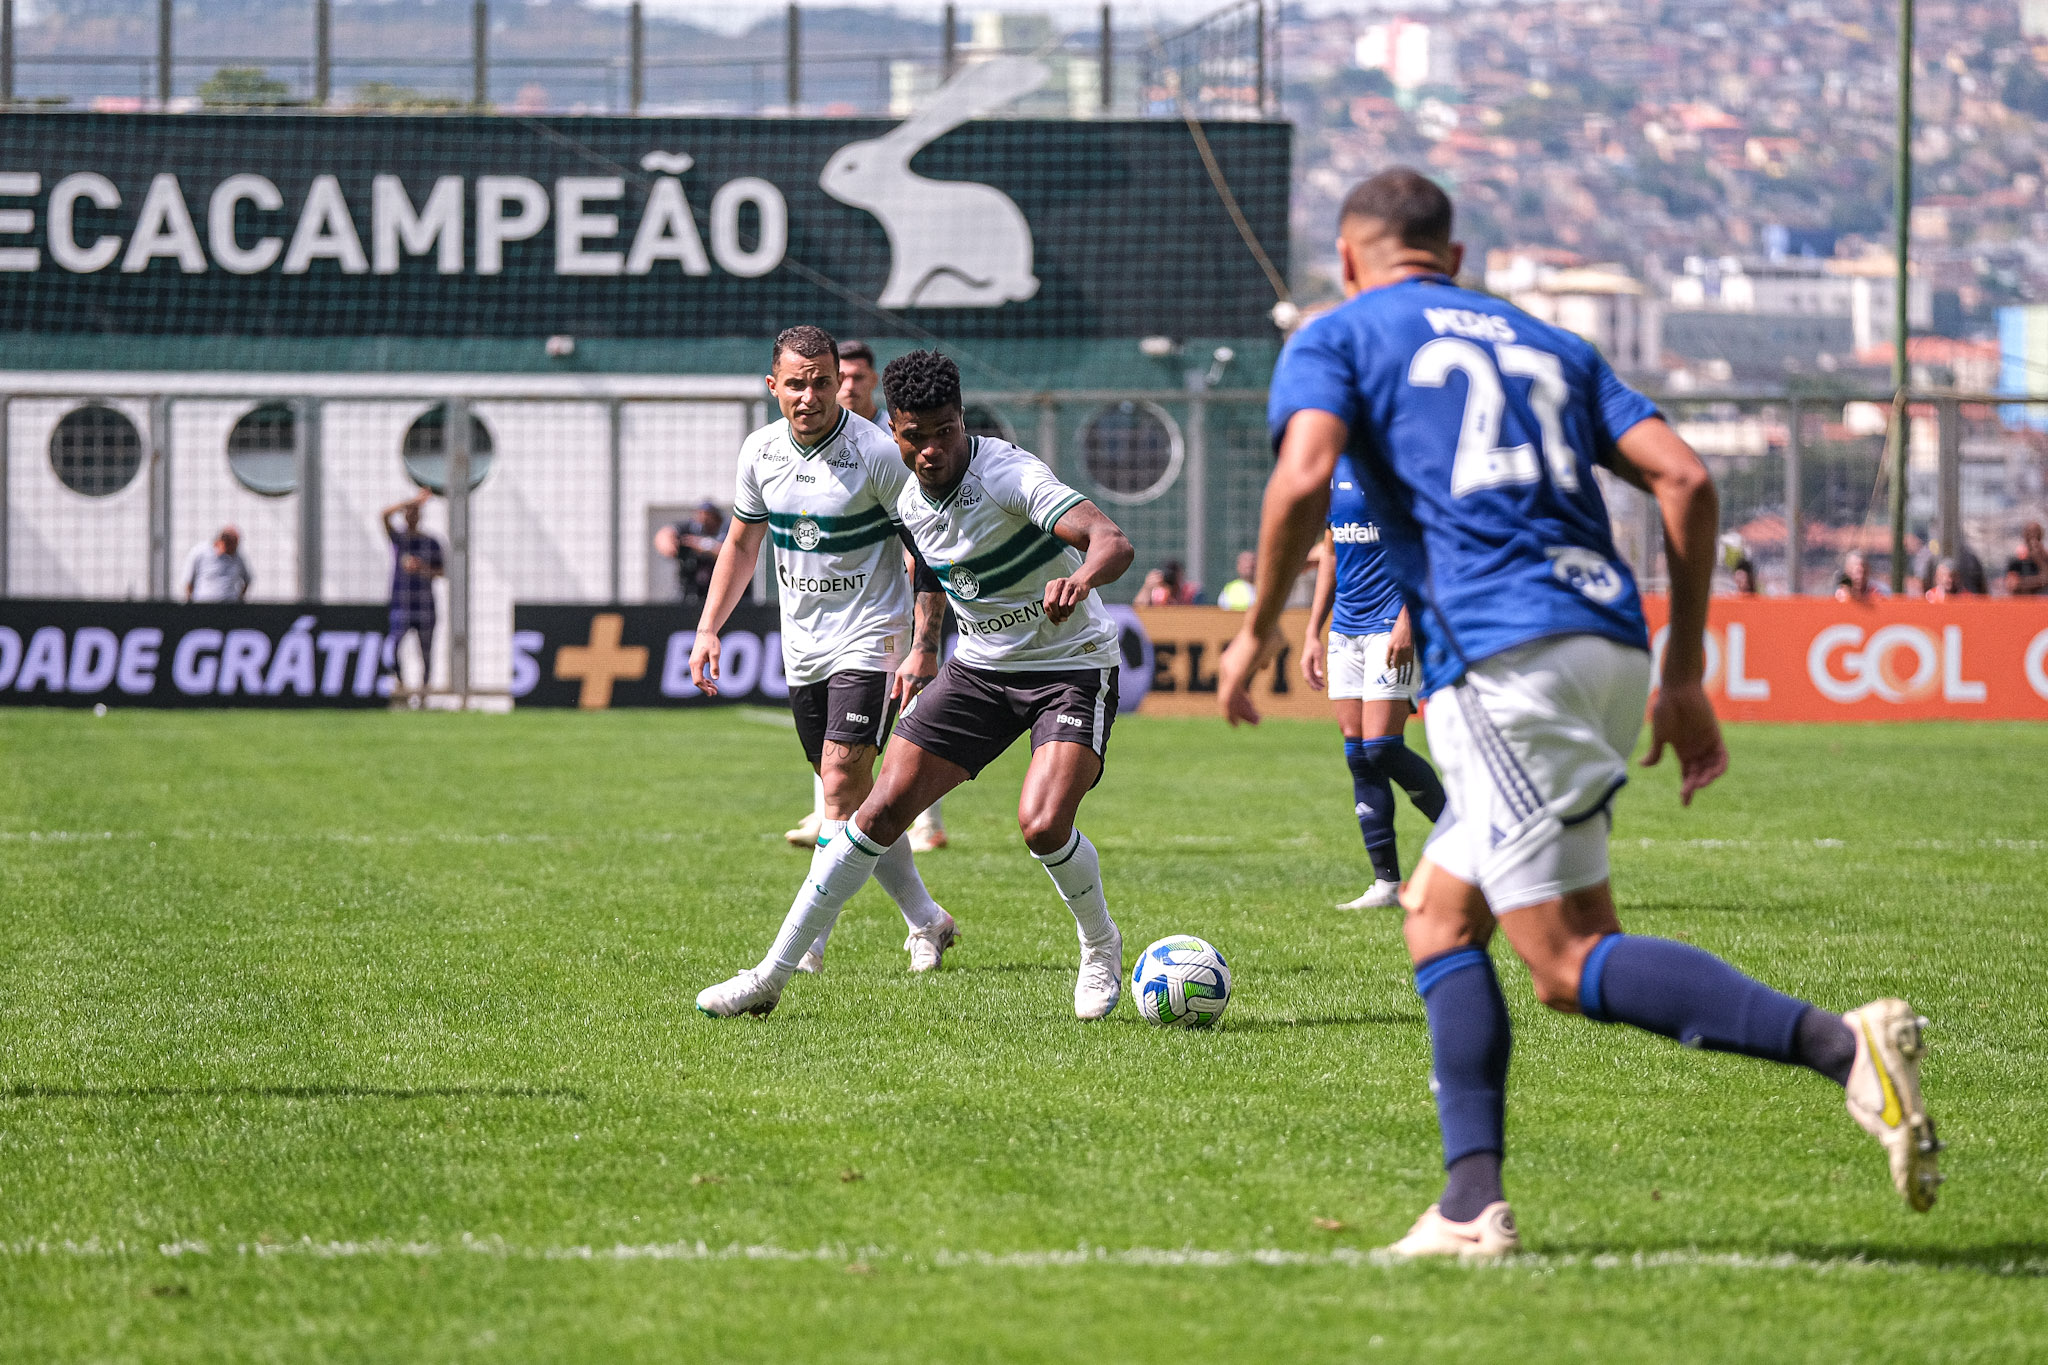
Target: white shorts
[1533,744]
[1358,670]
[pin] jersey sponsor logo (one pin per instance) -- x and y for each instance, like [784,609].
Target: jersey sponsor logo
[1587,573]
[806,533]
[772,456]
[994,624]
[1074,721]
[841,461]
[965,585]
[1353,533]
[835,583]
[1466,323]
[968,496]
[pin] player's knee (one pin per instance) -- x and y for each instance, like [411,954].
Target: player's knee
[1557,985]
[1045,830]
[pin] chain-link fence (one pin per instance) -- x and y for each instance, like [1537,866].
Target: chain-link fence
[569,485]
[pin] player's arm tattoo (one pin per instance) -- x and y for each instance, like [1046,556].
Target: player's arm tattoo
[928,621]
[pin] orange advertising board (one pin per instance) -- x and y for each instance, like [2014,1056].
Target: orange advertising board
[1768,658]
[1816,659]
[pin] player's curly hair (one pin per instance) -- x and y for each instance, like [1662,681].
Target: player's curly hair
[807,341]
[921,381]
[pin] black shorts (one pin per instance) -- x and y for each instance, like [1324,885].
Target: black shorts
[846,708]
[970,715]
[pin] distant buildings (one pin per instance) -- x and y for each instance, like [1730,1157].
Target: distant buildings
[1410,54]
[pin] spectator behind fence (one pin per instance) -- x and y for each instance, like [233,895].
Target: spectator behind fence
[858,381]
[216,572]
[1854,583]
[1239,594]
[1167,586]
[1744,576]
[693,544]
[2026,573]
[1946,582]
[415,563]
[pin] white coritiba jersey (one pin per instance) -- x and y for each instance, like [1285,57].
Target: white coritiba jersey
[838,560]
[991,544]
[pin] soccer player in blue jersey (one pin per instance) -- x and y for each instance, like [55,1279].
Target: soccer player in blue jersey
[1476,430]
[1369,669]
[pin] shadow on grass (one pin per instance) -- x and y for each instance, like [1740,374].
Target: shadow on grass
[1325,1021]
[286,1092]
[2020,1260]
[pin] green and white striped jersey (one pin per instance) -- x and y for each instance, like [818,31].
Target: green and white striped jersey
[991,544]
[838,560]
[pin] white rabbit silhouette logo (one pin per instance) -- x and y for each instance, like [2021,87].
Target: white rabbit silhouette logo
[952,243]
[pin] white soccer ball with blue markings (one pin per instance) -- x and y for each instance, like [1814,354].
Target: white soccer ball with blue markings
[1181,982]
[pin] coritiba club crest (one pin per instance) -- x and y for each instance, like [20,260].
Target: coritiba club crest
[966,586]
[806,534]
[952,243]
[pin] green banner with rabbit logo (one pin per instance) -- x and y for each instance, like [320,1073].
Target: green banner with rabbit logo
[950,223]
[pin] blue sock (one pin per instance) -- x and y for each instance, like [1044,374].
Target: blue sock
[1469,1043]
[1411,771]
[1374,798]
[1687,993]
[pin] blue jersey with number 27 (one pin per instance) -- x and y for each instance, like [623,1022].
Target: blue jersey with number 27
[1474,429]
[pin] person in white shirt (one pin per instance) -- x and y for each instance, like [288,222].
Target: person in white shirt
[1020,555]
[216,572]
[820,485]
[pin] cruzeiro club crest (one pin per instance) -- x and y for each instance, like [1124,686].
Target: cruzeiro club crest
[966,586]
[806,534]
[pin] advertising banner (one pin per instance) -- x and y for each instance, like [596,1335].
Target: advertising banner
[450,226]
[1184,645]
[1815,659]
[55,653]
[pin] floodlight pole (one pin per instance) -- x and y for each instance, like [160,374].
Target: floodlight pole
[1105,95]
[163,55]
[480,56]
[948,57]
[793,59]
[1902,241]
[6,51]
[636,58]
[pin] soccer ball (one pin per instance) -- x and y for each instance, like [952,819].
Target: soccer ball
[1181,982]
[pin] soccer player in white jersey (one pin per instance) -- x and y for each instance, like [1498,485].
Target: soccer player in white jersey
[1021,555]
[820,484]
[1476,430]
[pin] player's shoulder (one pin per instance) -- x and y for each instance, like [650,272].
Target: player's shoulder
[771,441]
[999,464]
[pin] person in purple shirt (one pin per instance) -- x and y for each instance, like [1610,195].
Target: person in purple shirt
[416,562]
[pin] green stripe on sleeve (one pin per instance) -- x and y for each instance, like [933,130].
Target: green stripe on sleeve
[1066,506]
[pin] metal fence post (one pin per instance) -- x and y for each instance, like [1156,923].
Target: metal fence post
[480,56]
[1259,53]
[306,456]
[160,498]
[793,58]
[6,51]
[757,417]
[1049,434]
[163,54]
[1107,61]
[1195,473]
[323,53]
[1795,509]
[636,70]
[1949,495]
[615,474]
[948,37]
[456,483]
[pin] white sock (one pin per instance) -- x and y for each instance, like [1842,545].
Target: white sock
[818,795]
[828,831]
[897,873]
[1077,873]
[934,816]
[847,864]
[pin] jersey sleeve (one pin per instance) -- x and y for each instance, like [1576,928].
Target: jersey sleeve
[1617,408]
[1316,373]
[1024,486]
[747,503]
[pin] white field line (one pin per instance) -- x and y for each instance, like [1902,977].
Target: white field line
[662,836]
[1173,1258]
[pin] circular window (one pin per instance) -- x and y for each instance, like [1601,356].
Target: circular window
[981,421]
[426,450]
[1132,450]
[96,451]
[263,450]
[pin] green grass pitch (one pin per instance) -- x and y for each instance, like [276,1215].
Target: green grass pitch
[370,1037]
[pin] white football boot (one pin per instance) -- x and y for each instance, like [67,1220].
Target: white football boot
[747,993]
[1883,1095]
[1381,894]
[1489,1235]
[812,962]
[928,832]
[928,945]
[805,835]
[1101,982]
